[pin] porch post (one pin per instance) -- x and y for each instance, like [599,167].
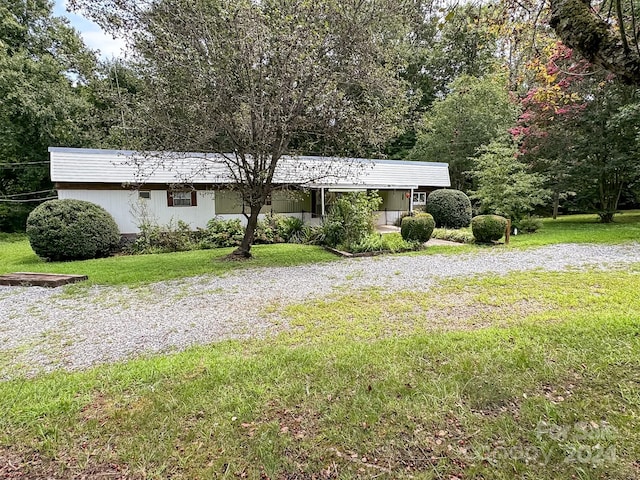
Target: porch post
[322,200]
[411,201]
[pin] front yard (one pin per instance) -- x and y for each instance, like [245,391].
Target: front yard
[524,375]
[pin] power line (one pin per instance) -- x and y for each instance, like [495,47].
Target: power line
[7,200]
[27,193]
[22,164]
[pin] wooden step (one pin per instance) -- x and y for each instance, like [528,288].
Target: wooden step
[29,279]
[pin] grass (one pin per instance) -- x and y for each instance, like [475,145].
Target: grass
[17,256]
[583,229]
[531,375]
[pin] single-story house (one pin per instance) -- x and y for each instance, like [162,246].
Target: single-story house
[165,187]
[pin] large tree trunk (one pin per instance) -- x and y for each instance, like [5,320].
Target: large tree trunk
[578,26]
[244,250]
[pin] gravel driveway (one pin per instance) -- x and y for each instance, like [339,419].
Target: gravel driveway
[44,329]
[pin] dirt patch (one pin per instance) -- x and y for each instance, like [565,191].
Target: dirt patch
[34,466]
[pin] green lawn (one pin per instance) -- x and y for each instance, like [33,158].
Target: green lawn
[533,375]
[17,256]
[583,229]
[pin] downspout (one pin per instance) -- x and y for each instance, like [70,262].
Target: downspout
[322,201]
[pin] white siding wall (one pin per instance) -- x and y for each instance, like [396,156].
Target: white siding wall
[127,209]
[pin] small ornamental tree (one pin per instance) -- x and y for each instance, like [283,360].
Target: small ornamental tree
[72,230]
[449,208]
[505,185]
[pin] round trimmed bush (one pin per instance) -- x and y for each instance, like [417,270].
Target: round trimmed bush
[418,228]
[450,208]
[488,228]
[72,230]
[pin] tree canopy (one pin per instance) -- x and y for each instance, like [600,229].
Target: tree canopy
[255,80]
[43,64]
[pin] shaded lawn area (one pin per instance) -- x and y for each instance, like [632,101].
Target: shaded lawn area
[530,375]
[17,256]
[583,229]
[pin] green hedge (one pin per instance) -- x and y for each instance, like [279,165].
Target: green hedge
[72,230]
[488,228]
[418,228]
[449,208]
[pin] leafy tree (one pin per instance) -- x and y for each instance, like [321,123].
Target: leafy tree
[603,169]
[260,78]
[474,113]
[562,115]
[504,184]
[43,64]
[444,44]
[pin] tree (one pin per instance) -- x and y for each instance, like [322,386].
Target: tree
[262,79]
[474,113]
[570,106]
[604,32]
[43,64]
[545,129]
[505,186]
[603,169]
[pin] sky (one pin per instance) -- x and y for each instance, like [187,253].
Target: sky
[93,36]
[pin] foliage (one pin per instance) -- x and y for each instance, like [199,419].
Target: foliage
[568,107]
[388,242]
[43,69]
[72,230]
[222,233]
[262,79]
[529,224]
[462,235]
[488,228]
[474,113]
[274,228]
[445,43]
[449,208]
[504,184]
[350,219]
[417,228]
[154,238]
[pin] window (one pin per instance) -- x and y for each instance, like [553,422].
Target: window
[419,198]
[144,194]
[182,199]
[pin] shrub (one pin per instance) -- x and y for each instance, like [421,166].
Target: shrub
[274,228]
[350,219]
[418,228]
[376,242]
[488,228]
[529,224]
[72,230]
[222,233]
[449,208]
[155,238]
[457,235]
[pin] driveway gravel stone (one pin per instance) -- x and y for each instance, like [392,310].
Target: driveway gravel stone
[46,329]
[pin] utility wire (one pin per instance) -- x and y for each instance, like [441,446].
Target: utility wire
[26,193]
[7,200]
[22,164]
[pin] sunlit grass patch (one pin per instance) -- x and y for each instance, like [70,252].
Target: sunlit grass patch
[139,269]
